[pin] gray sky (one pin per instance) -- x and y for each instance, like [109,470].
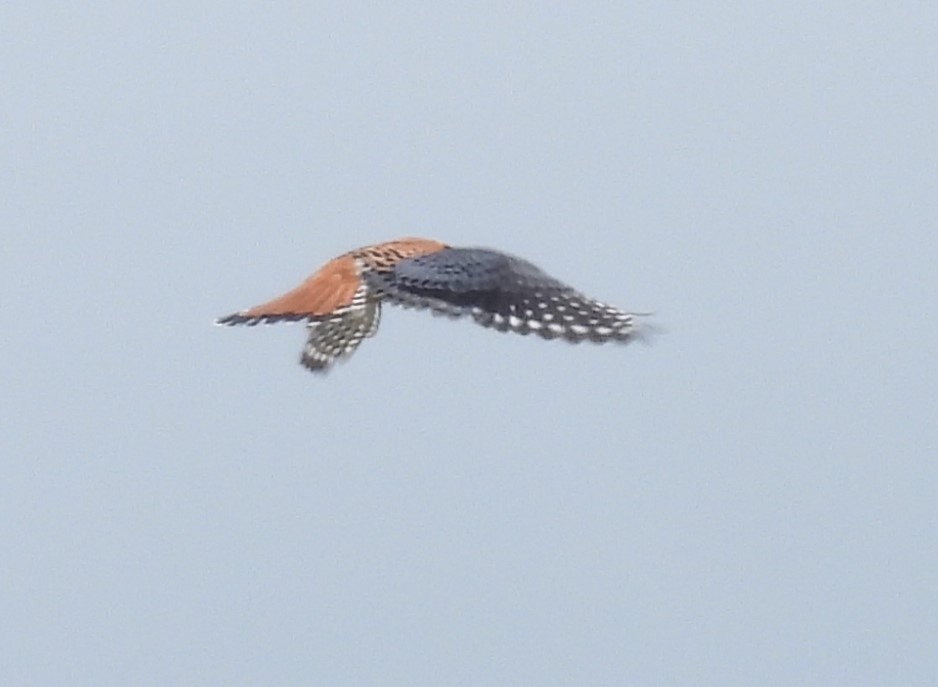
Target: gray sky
[749,501]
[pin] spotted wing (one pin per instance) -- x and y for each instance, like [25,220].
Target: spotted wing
[503,292]
[339,336]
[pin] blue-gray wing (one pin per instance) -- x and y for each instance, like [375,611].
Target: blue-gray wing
[500,291]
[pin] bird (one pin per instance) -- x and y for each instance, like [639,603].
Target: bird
[341,301]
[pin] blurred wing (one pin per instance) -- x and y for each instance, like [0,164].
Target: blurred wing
[502,292]
[339,336]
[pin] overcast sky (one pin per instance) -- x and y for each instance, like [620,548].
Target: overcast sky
[750,500]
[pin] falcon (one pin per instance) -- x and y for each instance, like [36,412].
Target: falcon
[341,302]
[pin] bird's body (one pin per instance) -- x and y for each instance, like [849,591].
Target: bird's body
[342,300]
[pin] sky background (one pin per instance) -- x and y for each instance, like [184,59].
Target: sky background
[750,500]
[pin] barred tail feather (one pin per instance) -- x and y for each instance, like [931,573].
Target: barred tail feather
[334,287]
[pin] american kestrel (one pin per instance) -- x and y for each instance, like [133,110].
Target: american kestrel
[341,302]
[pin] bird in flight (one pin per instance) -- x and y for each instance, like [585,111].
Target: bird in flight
[341,302]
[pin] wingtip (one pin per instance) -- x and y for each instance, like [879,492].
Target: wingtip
[644,330]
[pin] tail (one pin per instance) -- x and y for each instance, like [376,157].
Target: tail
[333,288]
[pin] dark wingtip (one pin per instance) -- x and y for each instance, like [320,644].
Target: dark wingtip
[317,367]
